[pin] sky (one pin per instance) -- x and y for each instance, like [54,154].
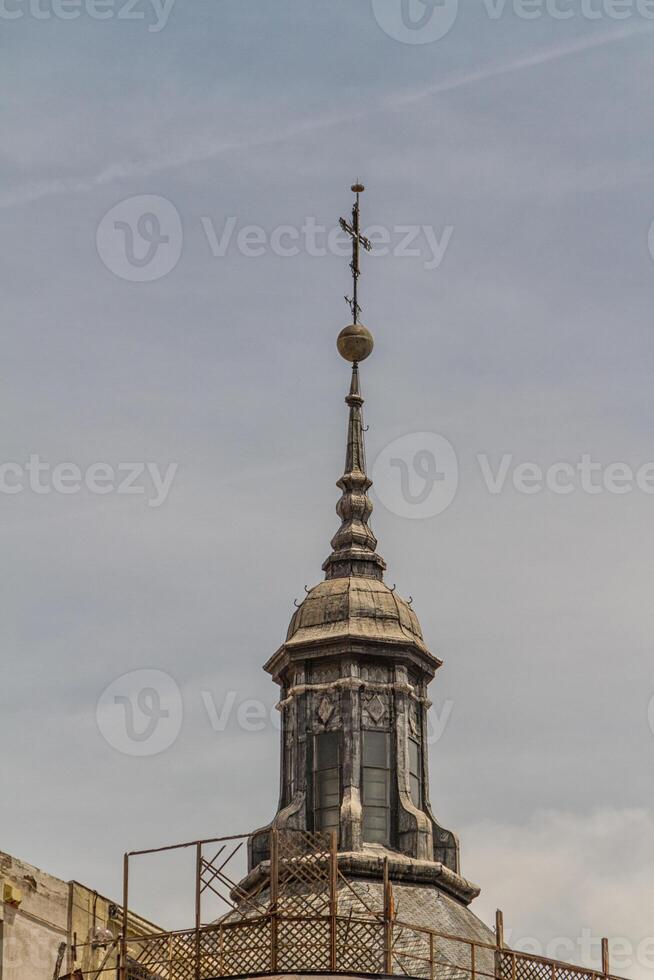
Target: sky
[172,281]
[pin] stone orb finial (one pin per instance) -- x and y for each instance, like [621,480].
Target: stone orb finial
[355,343]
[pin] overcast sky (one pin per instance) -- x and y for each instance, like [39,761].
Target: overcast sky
[143,322]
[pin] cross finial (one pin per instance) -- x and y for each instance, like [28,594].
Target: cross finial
[352,229]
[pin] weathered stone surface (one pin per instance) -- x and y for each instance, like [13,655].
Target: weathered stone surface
[354,661]
[30,932]
[354,608]
[418,906]
[52,912]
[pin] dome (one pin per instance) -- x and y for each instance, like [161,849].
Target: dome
[354,608]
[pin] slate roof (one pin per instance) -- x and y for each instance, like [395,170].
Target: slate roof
[354,608]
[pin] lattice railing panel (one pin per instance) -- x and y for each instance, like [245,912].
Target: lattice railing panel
[303,869]
[359,946]
[571,974]
[183,958]
[303,945]
[170,957]
[520,966]
[238,948]
[524,969]
[134,972]
[212,956]
[150,956]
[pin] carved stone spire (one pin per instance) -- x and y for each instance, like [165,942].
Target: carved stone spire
[353,672]
[354,545]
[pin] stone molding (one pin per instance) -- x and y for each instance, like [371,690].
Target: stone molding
[353,684]
[370,865]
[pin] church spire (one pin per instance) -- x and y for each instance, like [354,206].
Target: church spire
[354,545]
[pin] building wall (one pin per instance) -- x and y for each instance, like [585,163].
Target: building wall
[31,931]
[51,912]
[96,922]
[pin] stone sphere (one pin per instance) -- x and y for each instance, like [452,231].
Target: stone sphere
[355,343]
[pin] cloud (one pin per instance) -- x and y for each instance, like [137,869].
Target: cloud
[564,880]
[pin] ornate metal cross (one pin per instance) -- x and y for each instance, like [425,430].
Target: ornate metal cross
[357,240]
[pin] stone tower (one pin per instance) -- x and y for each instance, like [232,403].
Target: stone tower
[354,672]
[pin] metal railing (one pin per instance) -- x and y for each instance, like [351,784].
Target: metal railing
[278,943]
[297,913]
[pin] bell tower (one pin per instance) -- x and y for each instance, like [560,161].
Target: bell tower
[354,673]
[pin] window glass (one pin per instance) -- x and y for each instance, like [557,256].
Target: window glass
[414,756]
[326,781]
[376,788]
[326,750]
[415,772]
[375,749]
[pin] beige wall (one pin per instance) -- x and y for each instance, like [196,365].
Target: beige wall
[91,919]
[32,931]
[50,912]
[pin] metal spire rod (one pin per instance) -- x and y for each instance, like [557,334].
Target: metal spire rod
[352,229]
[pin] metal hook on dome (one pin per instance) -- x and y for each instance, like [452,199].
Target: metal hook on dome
[307,589]
[394,587]
[409,601]
[296,603]
[364,428]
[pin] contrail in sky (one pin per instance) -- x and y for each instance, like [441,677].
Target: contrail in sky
[542,57]
[215,148]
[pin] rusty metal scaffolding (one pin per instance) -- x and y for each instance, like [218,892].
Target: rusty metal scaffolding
[285,918]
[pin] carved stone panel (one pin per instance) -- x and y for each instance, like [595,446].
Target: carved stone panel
[325,711]
[376,673]
[414,720]
[375,710]
[325,673]
[290,725]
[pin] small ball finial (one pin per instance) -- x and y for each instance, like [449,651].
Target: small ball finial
[355,343]
[358,188]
